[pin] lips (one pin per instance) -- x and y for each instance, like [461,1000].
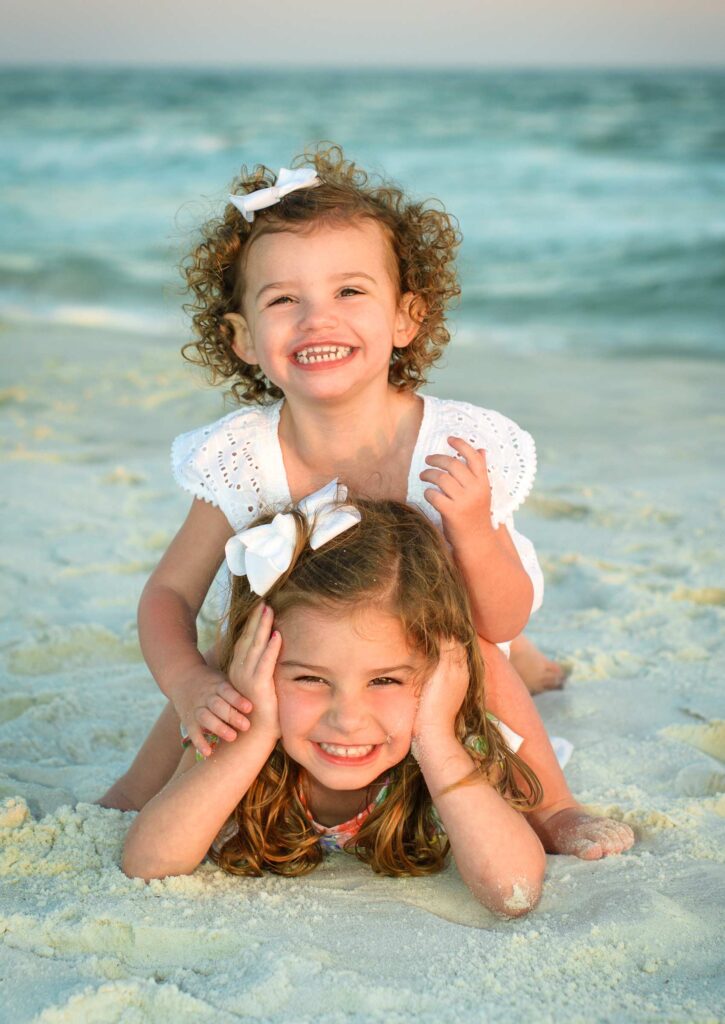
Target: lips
[315,355]
[340,751]
[349,756]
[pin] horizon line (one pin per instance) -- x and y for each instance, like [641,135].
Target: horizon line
[221,67]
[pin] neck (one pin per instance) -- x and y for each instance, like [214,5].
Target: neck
[340,439]
[333,806]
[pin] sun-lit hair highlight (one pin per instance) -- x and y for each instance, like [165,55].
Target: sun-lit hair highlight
[423,240]
[394,558]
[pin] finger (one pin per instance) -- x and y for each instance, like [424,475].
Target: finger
[268,657]
[219,707]
[460,471]
[211,723]
[440,501]
[475,457]
[244,642]
[232,696]
[238,721]
[259,641]
[199,740]
[446,483]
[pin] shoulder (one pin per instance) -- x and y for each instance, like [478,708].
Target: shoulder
[510,450]
[219,462]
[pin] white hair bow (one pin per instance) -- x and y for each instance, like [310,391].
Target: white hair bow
[287,181]
[264,553]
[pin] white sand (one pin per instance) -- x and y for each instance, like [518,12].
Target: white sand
[628,518]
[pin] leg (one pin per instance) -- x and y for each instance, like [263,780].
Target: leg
[538,672]
[562,825]
[152,767]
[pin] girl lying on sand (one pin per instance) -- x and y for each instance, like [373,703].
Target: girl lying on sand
[323,297]
[369,731]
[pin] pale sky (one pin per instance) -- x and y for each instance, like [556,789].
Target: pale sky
[343,33]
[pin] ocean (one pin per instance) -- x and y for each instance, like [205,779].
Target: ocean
[592,204]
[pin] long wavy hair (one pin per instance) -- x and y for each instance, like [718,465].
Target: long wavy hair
[395,559]
[423,239]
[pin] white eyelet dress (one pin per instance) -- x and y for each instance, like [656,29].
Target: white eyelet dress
[236,463]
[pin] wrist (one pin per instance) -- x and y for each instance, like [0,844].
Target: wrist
[181,678]
[258,743]
[478,537]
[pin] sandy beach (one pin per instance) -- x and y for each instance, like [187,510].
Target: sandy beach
[627,516]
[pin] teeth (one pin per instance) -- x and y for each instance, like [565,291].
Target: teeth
[336,751]
[322,353]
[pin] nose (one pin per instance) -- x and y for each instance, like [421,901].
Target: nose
[317,314]
[347,715]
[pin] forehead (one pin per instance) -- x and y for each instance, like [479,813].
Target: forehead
[359,244]
[363,632]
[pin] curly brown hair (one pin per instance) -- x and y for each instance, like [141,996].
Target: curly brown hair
[423,239]
[393,558]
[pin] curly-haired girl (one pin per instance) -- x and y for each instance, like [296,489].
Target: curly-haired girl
[373,653]
[321,297]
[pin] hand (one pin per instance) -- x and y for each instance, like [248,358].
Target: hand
[251,671]
[462,492]
[443,692]
[207,704]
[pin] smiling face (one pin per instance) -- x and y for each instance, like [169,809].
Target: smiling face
[322,312]
[347,690]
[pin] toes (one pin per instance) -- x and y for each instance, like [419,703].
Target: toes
[585,849]
[552,677]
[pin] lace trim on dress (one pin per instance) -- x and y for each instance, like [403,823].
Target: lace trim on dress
[236,463]
[231,463]
[510,451]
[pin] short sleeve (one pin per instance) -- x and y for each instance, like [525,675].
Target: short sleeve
[511,461]
[220,463]
[510,456]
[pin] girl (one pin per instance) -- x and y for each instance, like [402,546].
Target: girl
[368,612]
[322,298]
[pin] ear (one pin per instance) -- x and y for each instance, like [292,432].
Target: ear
[242,344]
[406,327]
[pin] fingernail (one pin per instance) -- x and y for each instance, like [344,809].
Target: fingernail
[275,634]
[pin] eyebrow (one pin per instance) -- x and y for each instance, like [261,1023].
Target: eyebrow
[322,670]
[340,277]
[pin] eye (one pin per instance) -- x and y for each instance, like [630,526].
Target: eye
[349,290]
[310,679]
[386,681]
[281,300]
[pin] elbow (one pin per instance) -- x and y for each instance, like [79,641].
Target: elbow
[134,866]
[515,899]
[518,899]
[518,894]
[521,611]
[138,861]
[502,629]
[145,869]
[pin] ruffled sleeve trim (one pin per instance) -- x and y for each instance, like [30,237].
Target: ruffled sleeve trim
[510,453]
[221,463]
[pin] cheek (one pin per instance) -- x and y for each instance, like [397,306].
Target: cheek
[295,710]
[400,714]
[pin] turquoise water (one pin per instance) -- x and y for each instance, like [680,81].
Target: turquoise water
[592,204]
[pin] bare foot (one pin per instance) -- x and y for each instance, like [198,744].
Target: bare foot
[572,831]
[538,672]
[116,798]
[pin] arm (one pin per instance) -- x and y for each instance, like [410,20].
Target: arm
[499,587]
[497,854]
[174,831]
[167,613]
